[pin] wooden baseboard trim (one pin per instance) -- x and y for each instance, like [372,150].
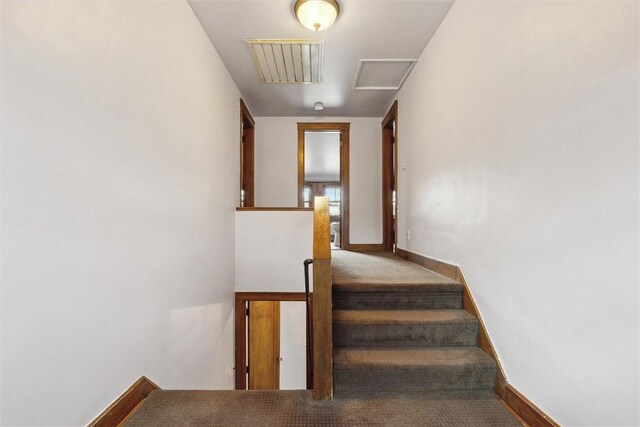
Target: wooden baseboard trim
[365,247]
[527,411]
[447,270]
[125,404]
[484,341]
[273,209]
[270,296]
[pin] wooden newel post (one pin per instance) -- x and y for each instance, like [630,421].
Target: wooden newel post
[322,321]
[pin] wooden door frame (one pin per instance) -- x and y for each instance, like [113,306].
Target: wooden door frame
[241,299]
[247,143]
[344,129]
[387,168]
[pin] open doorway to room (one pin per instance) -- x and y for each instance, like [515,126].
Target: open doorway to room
[323,170]
[247,132]
[390,178]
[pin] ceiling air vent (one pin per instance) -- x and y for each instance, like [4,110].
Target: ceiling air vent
[288,61]
[382,74]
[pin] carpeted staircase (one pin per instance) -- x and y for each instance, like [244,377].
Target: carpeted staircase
[398,328]
[405,354]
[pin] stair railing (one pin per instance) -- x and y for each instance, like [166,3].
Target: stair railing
[322,312]
[307,263]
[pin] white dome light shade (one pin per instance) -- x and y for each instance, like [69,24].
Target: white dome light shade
[317,15]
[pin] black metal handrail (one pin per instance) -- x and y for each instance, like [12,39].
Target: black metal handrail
[309,325]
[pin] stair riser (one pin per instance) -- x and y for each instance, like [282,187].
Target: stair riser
[402,380]
[405,300]
[462,334]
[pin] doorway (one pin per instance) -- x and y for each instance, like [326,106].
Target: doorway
[323,170]
[271,341]
[247,134]
[390,179]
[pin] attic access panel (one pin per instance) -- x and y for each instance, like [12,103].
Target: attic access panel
[382,74]
[288,60]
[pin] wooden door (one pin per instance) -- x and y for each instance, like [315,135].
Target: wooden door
[248,167]
[390,178]
[264,345]
[247,198]
[388,187]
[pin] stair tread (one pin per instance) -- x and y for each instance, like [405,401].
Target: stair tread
[382,317]
[383,271]
[371,286]
[410,357]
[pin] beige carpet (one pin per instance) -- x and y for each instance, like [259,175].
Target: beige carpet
[380,270]
[297,408]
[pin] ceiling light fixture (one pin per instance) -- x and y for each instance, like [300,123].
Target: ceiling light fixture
[319,106]
[316,15]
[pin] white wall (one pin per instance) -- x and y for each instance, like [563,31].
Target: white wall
[119,181]
[293,342]
[276,169]
[519,130]
[270,249]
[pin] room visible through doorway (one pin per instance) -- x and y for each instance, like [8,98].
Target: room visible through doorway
[323,171]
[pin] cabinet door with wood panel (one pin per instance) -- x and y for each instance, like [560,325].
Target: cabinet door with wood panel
[264,345]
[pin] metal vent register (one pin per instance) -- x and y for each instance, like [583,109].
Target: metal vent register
[288,61]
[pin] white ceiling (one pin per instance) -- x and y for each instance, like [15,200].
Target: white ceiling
[382,29]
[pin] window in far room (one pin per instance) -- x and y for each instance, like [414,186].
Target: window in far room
[333,193]
[307,196]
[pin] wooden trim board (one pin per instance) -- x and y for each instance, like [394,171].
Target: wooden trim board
[125,404]
[523,407]
[270,296]
[275,209]
[447,270]
[391,114]
[365,247]
[484,341]
[322,310]
[246,114]
[527,410]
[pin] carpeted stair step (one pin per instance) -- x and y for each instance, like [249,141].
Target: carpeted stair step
[406,370]
[414,297]
[404,328]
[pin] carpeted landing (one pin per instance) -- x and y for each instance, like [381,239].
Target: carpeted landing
[297,408]
[383,270]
